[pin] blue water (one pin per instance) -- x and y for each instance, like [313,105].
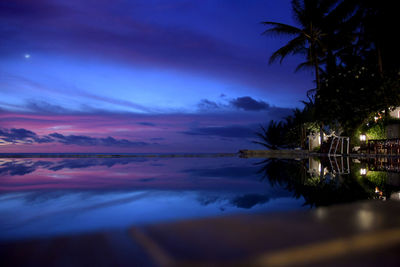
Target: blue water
[56,196]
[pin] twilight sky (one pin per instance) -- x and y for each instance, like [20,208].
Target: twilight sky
[141,76]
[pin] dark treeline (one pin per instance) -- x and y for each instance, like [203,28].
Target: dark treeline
[330,187]
[352,48]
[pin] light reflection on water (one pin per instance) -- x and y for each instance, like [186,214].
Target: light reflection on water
[44,197]
[41,197]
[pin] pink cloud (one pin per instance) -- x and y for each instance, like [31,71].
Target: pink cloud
[163,132]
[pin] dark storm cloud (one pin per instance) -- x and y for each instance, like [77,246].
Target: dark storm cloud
[233,131]
[24,136]
[249,104]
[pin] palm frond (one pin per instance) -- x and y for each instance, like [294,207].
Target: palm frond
[342,12]
[298,11]
[263,144]
[327,6]
[295,46]
[304,65]
[280,29]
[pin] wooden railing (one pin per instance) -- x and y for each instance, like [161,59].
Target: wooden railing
[382,146]
[386,164]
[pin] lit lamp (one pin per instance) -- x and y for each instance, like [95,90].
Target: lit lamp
[363,138]
[363,171]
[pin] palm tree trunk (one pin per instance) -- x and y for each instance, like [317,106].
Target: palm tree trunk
[302,136]
[381,74]
[380,64]
[318,83]
[317,79]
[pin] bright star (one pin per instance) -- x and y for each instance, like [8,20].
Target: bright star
[27,56]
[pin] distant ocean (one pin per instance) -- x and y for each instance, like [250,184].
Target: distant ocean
[111,155]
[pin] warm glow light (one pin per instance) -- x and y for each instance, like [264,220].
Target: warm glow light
[363,137]
[363,171]
[365,219]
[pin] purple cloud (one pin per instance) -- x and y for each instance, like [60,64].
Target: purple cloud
[249,104]
[245,103]
[23,136]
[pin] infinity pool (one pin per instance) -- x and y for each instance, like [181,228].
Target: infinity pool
[45,197]
[41,197]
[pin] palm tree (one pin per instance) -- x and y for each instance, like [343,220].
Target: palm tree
[300,124]
[308,38]
[272,137]
[376,39]
[378,18]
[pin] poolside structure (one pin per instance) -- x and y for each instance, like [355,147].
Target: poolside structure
[331,144]
[382,146]
[388,144]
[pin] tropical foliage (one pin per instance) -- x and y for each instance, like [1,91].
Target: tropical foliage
[272,137]
[350,47]
[323,190]
[291,132]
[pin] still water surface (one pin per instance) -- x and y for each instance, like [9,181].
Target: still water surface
[47,197]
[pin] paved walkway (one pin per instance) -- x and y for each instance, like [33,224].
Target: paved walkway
[360,234]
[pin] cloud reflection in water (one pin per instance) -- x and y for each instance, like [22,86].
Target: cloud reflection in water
[40,197]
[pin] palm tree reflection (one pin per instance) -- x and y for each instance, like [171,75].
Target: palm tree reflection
[321,184]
